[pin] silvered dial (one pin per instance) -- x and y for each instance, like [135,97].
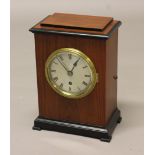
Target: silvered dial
[70,73]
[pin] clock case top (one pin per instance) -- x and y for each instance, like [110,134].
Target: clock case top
[82,25]
[97,37]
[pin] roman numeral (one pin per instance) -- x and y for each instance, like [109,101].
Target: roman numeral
[53,70]
[70,56]
[85,67]
[69,88]
[85,83]
[61,85]
[55,79]
[55,62]
[87,75]
[61,57]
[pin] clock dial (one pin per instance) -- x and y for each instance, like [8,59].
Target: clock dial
[70,73]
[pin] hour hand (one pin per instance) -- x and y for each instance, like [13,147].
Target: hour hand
[75,64]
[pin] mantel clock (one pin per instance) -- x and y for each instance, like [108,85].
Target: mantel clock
[76,60]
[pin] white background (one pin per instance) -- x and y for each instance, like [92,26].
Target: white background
[131,13]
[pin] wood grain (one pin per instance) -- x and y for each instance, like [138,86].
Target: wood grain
[105,31]
[63,20]
[111,73]
[88,110]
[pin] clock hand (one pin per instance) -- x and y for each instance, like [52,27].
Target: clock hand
[75,64]
[64,66]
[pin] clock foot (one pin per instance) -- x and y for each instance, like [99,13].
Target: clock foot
[104,134]
[119,120]
[36,128]
[106,139]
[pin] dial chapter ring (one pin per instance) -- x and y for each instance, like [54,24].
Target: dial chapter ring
[56,88]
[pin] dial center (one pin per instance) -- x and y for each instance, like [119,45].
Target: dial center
[70,73]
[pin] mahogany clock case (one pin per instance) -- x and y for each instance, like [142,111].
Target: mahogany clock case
[95,115]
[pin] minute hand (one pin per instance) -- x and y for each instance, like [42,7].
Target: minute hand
[64,66]
[75,64]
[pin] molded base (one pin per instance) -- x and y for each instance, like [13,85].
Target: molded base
[104,134]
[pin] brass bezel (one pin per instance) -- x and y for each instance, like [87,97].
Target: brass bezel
[56,88]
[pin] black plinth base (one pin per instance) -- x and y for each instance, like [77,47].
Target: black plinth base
[104,134]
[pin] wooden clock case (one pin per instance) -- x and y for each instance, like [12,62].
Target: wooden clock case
[95,115]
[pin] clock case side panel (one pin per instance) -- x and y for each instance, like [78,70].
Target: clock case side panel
[111,75]
[39,47]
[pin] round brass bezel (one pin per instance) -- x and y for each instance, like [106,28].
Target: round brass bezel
[56,88]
